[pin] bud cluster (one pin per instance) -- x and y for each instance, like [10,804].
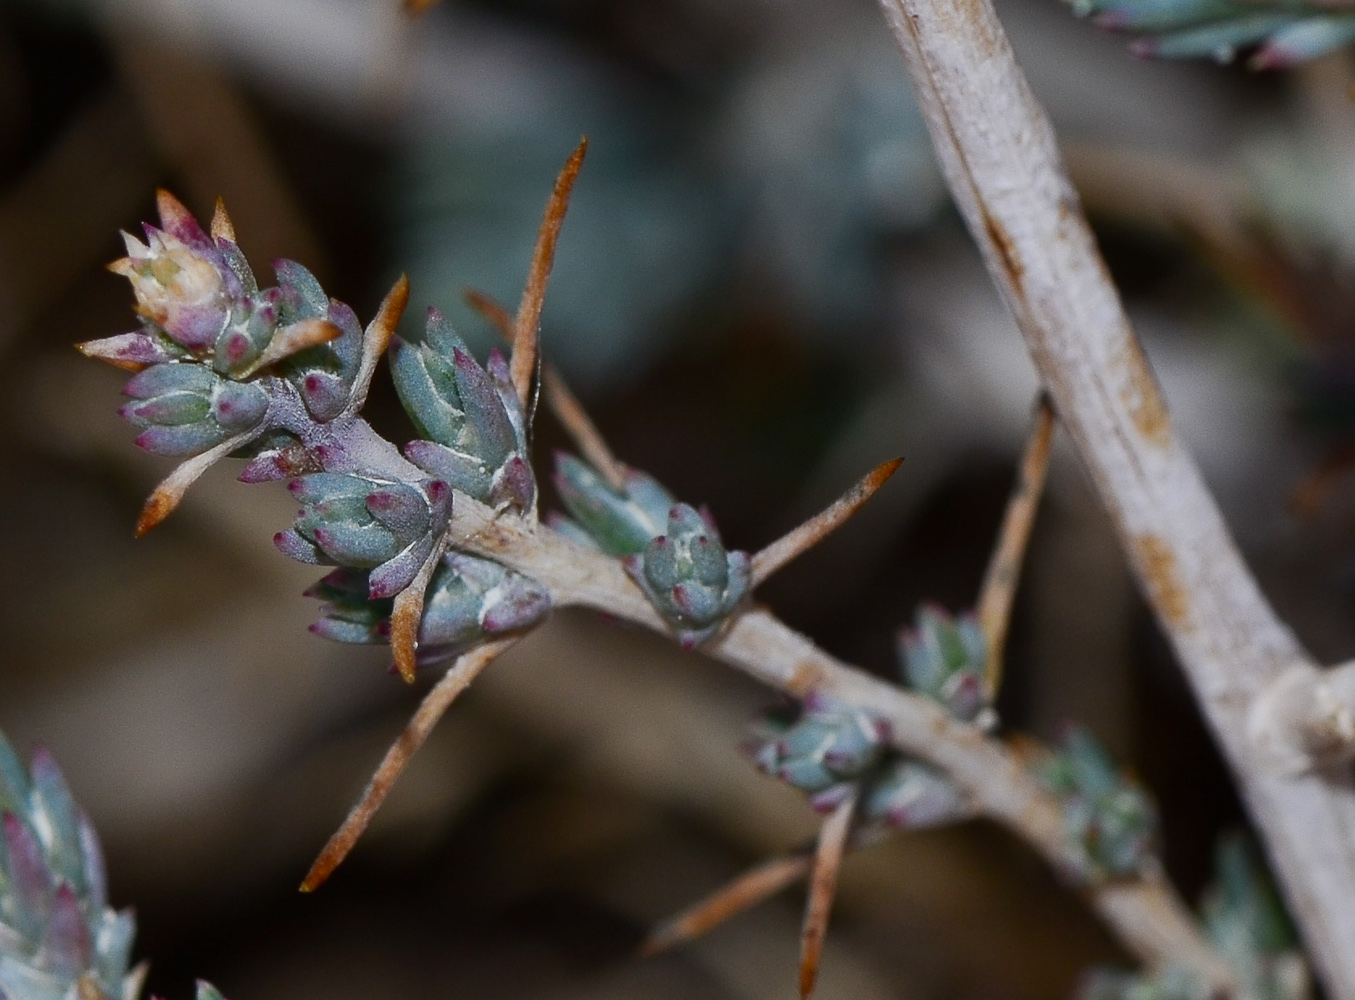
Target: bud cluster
[1108,816]
[830,750]
[58,937]
[672,551]
[277,375]
[388,528]
[1281,34]
[944,658]
[474,430]
[214,350]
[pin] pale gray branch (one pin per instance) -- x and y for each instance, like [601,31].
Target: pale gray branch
[1000,158]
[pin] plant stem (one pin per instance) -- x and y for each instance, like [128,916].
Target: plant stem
[1146,914]
[998,152]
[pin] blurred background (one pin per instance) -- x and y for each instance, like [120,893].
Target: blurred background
[762,291]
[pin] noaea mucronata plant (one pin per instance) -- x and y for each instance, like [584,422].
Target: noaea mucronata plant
[438,548]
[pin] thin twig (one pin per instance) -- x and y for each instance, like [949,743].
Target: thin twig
[166,497]
[832,846]
[753,886]
[563,403]
[1004,566]
[439,698]
[822,524]
[526,324]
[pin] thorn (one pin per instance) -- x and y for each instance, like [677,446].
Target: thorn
[822,886]
[376,338]
[492,310]
[165,497]
[571,414]
[563,403]
[818,527]
[407,615]
[466,668]
[750,888]
[998,590]
[222,227]
[526,324]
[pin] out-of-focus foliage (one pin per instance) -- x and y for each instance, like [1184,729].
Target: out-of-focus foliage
[1278,34]
[745,324]
[59,939]
[1107,814]
[1243,917]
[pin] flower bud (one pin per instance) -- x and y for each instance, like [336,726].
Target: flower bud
[180,289]
[828,743]
[689,577]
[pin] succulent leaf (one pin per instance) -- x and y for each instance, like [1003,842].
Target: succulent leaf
[474,432]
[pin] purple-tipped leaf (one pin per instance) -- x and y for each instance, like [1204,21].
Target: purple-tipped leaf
[178,221]
[186,439]
[401,508]
[464,472]
[484,410]
[132,351]
[293,546]
[325,394]
[393,576]
[514,484]
[166,378]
